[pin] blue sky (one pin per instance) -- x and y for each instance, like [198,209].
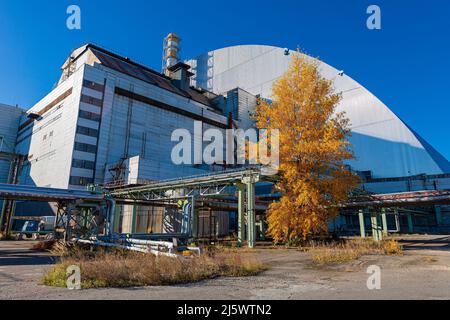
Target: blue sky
[406,64]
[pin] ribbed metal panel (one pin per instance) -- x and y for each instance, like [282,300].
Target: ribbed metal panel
[10,117]
[8,127]
[140,132]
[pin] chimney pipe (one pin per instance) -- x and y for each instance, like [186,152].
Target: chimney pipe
[171,50]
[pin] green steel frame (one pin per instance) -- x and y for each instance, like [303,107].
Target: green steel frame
[221,185]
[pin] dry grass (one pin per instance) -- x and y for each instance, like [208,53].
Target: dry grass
[341,252]
[430,259]
[102,269]
[44,245]
[392,247]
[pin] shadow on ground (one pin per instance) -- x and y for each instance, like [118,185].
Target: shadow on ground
[17,257]
[436,243]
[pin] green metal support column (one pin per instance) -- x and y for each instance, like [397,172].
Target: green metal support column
[250,182]
[84,217]
[362,223]
[117,212]
[134,219]
[251,216]
[194,219]
[8,212]
[384,222]
[11,218]
[410,223]
[376,230]
[438,212]
[397,220]
[241,213]
[2,214]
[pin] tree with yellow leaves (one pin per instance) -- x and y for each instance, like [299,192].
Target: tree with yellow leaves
[313,146]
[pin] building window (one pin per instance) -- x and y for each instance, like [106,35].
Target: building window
[44,137]
[93,85]
[84,147]
[89,115]
[91,100]
[87,131]
[83,164]
[80,181]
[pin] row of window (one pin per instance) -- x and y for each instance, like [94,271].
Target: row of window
[93,85]
[84,147]
[91,100]
[87,131]
[80,181]
[83,164]
[89,115]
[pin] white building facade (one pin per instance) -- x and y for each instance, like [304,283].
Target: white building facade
[109,119]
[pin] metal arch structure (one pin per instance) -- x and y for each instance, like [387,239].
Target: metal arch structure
[377,132]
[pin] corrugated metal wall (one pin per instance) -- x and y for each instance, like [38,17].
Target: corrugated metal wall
[8,133]
[131,128]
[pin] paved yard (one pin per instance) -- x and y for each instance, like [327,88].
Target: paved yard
[422,273]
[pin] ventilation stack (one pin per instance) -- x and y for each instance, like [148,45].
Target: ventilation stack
[171,52]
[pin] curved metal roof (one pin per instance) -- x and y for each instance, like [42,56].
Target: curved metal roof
[382,142]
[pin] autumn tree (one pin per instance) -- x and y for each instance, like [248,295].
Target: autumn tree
[313,147]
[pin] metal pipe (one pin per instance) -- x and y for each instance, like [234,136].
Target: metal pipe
[384,221]
[362,223]
[113,245]
[150,242]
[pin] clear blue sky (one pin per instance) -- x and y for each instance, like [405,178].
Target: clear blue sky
[406,64]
